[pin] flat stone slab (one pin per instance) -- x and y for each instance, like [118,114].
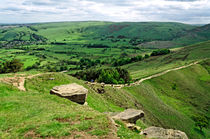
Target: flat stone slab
[129,115]
[161,133]
[73,92]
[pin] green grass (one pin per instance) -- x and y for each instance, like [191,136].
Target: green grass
[174,107]
[150,36]
[177,58]
[126,133]
[168,101]
[46,115]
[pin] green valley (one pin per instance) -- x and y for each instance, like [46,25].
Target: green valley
[161,68]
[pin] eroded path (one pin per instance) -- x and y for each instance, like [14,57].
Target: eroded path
[19,79]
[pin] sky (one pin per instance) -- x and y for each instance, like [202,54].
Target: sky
[33,11]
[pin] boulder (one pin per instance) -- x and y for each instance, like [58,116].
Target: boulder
[73,92]
[161,133]
[129,115]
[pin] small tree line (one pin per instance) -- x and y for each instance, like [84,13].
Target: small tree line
[124,61]
[108,76]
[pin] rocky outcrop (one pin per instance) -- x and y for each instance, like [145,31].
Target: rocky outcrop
[73,92]
[133,127]
[129,115]
[161,133]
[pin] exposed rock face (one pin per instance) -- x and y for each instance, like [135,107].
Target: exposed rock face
[73,92]
[129,115]
[161,133]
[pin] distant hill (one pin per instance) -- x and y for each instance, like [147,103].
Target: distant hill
[197,34]
[126,33]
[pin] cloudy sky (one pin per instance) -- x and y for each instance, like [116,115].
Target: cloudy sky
[30,11]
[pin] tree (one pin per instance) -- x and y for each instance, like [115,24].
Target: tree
[201,121]
[160,52]
[12,66]
[146,56]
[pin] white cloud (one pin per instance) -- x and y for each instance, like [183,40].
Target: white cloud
[188,11]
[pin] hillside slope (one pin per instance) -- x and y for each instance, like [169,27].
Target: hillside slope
[125,33]
[177,58]
[169,101]
[195,35]
[37,114]
[174,98]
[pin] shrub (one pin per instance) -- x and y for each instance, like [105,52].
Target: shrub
[146,56]
[160,52]
[174,86]
[109,76]
[124,61]
[201,121]
[11,66]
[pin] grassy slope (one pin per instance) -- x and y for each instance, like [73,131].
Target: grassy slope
[174,108]
[37,110]
[36,113]
[76,34]
[175,59]
[88,31]
[195,35]
[33,113]
[164,106]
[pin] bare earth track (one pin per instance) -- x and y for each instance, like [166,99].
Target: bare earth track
[19,81]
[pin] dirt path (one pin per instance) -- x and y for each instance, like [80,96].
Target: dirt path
[20,81]
[149,77]
[162,73]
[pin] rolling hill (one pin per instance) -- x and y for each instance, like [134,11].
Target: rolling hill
[52,45]
[171,100]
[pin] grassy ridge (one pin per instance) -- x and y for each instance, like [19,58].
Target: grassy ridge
[177,58]
[85,30]
[36,113]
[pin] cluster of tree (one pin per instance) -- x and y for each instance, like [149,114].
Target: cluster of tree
[58,43]
[96,46]
[109,76]
[160,52]
[136,41]
[17,43]
[35,37]
[11,66]
[124,61]
[87,63]
[32,28]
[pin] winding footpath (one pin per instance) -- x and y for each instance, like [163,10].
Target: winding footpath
[152,76]
[19,80]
